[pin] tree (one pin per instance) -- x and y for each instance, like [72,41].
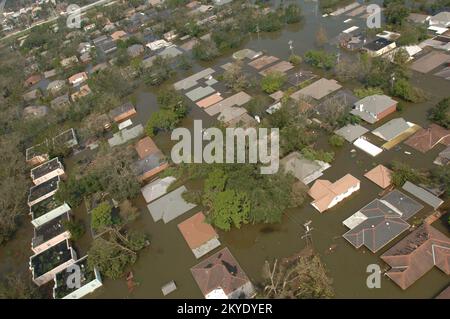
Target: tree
[273,82]
[402,173]
[336,140]
[229,208]
[402,88]
[321,36]
[101,217]
[364,92]
[205,50]
[110,259]
[15,286]
[234,78]
[305,277]
[396,13]
[440,114]
[76,229]
[295,59]
[159,71]
[292,13]
[320,59]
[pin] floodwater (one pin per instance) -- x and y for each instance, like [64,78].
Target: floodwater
[169,258]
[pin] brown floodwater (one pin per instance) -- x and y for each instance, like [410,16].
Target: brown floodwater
[169,258]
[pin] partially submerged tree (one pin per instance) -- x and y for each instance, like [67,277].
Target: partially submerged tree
[273,82]
[305,277]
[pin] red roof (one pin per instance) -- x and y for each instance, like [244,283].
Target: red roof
[416,254]
[146,147]
[425,139]
[196,231]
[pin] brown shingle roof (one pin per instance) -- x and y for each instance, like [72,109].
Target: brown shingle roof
[425,139]
[146,147]
[416,254]
[380,175]
[196,231]
[220,270]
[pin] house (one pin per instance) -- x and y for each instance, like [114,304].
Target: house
[441,19]
[351,132]
[380,175]
[107,46]
[85,57]
[84,47]
[126,135]
[199,235]
[37,154]
[317,90]
[422,194]
[35,111]
[221,277]
[135,50]
[363,144]
[170,206]
[67,62]
[151,165]
[90,281]
[118,35]
[50,73]
[46,171]
[78,78]
[145,147]
[32,95]
[55,86]
[418,18]
[123,112]
[327,194]
[303,169]
[392,129]
[83,91]
[60,102]
[157,188]
[46,264]
[158,44]
[374,107]
[427,138]
[170,35]
[380,221]
[379,47]
[67,139]
[32,80]
[443,157]
[42,191]
[50,233]
[417,254]
[47,210]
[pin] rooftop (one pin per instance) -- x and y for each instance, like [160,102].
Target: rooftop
[50,258]
[46,168]
[196,231]
[380,175]
[145,147]
[351,132]
[220,271]
[416,254]
[50,230]
[427,138]
[40,190]
[392,129]
[378,44]
[318,89]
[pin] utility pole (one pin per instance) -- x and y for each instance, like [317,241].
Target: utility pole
[307,235]
[291,46]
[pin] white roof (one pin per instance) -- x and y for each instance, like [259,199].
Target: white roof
[354,220]
[156,188]
[367,147]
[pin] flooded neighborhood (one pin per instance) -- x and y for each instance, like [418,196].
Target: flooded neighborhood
[363,178]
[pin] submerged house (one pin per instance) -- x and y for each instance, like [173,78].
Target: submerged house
[427,138]
[417,254]
[379,222]
[90,281]
[379,47]
[43,191]
[221,277]
[152,160]
[47,210]
[199,235]
[47,170]
[374,108]
[123,112]
[46,264]
[50,233]
[327,194]
[303,169]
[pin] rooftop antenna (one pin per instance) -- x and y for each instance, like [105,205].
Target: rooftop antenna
[307,235]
